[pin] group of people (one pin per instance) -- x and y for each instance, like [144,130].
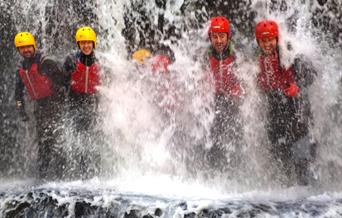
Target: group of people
[289,116]
[50,87]
[285,89]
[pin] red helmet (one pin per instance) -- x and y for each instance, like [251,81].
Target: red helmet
[160,63]
[266,29]
[219,24]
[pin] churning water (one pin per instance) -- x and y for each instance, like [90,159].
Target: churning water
[153,130]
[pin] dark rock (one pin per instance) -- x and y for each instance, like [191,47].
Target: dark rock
[158,212]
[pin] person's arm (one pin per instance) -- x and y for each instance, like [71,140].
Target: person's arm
[54,71]
[51,68]
[69,66]
[19,98]
[19,92]
[305,72]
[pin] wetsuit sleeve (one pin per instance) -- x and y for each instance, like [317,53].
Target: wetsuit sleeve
[19,92]
[53,70]
[69,66]
[305,72]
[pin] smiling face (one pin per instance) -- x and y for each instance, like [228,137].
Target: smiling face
[268,45]
[26,51]
[219,41]
[86,47]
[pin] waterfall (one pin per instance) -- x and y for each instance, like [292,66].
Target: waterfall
[151,143]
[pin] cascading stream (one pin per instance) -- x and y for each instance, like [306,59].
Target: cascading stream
[151,142]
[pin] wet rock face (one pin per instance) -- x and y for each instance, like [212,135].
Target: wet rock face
[327,17]
[77,203]
[85,203]
[145,28]
[7,78]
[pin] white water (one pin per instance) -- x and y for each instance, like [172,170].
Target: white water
[136,151]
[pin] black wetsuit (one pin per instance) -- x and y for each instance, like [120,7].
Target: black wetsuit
[83,109]
[47,112]
[288,125]
[226,131]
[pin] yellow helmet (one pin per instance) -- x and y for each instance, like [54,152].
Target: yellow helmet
[85,34]
[24,39]
[141,54]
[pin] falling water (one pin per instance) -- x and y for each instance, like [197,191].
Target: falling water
[151,141]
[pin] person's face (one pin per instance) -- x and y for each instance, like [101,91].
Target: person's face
[219,41]
[268,45]
[86,47]
[26,51]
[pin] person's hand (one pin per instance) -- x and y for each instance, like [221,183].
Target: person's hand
[236,91]
[18,105]
[292,91]
[22,112]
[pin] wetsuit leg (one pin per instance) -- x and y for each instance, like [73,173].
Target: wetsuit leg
[226,135]
[304,153]
[84,113]
[50,158]
[279,133]
[303,144]
[44,143]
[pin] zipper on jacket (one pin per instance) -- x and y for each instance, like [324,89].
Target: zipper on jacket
[220,81]
[30,83]
[86,80]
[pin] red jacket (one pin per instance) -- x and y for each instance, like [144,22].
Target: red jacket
[38,85]
[85,79]
[225,81]
[272,76]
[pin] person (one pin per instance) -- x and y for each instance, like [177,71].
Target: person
[289,113]
[160,63]
[42,79]
[226,129]
[141,55]
[83,76]
[162,87]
